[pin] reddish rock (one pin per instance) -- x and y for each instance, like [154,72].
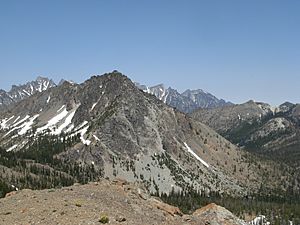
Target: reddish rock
[10,194]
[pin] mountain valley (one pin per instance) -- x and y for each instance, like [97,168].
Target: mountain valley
[272,132]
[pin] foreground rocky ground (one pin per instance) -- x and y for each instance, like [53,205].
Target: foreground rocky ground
[96,203]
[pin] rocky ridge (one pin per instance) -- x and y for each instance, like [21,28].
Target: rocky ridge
[20,92]
[271,131]
[186,102]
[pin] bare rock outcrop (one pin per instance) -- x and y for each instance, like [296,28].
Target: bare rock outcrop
[213,214]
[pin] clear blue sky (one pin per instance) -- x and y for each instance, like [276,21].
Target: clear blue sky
[237,50]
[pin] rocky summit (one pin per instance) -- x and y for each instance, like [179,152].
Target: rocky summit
[111,202]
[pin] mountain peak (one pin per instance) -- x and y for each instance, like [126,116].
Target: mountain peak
[116,72]
[160,85]
[187,101]
[20,92]
[63,81]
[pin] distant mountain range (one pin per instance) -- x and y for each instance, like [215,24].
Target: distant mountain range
[20,92]
[255,126]
[186,102]
[271,131]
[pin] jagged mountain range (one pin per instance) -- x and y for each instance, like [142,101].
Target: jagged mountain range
[107,127]
[20,92]
[271,131]
[186,102]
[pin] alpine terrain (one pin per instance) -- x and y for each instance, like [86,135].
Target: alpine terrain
[20,92]
[103,202]
[108,128]
[273,132]
[187,101]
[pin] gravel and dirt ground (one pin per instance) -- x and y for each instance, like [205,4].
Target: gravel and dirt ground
[114,202]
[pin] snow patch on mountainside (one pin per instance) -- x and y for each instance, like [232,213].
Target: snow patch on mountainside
[97,139]
[16,119]
[82,129]
[5,121]
[196,156]
[81,125]
[48,99]
[52,122]
[11,148]
[64,118]
[70,128]
[28,125]
[61,108]
[259,220]
[66,123]
[15,126]
[93,106]
[20,121]
[82,133]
